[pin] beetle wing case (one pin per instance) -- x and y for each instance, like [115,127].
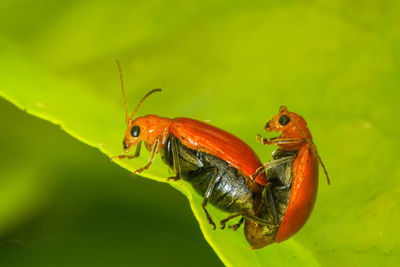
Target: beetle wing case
[204,137]
[303,194]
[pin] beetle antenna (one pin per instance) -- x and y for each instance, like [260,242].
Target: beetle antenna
[123,91]
[314,148]
[141,101]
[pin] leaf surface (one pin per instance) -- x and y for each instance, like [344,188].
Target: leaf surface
[336,64]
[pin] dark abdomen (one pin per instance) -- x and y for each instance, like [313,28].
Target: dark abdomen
[230,192]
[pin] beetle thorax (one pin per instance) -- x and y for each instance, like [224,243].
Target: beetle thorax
[153,127]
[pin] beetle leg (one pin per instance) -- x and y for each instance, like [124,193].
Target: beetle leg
[179,154]
[224,221]
[209,218]
[175,160]
[269,165]
[270,203]
[190,157]
[257,219]
[278,141]
[208,193]
[286,180]
[236,226]
[284,188]
[152,156]
[137,153]
[261,140]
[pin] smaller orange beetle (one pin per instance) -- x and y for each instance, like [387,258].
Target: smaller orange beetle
[302,180]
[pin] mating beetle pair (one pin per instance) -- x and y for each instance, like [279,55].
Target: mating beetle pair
[229,175]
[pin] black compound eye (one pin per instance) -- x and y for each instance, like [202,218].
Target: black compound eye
[135,131]
[283,120]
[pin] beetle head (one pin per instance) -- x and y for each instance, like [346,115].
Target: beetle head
[147,129]
[134,133]
[291,125]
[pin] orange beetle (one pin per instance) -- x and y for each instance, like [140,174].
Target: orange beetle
[154,132]
[303,175]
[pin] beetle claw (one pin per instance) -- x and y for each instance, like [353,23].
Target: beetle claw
[175,178]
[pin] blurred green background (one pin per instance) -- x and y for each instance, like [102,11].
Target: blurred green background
[65,204]
[336,63]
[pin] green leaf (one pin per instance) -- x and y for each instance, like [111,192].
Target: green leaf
[336,64]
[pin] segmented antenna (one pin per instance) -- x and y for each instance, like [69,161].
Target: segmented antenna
[141,101]
[123,91]
[313,146]
[127,118]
